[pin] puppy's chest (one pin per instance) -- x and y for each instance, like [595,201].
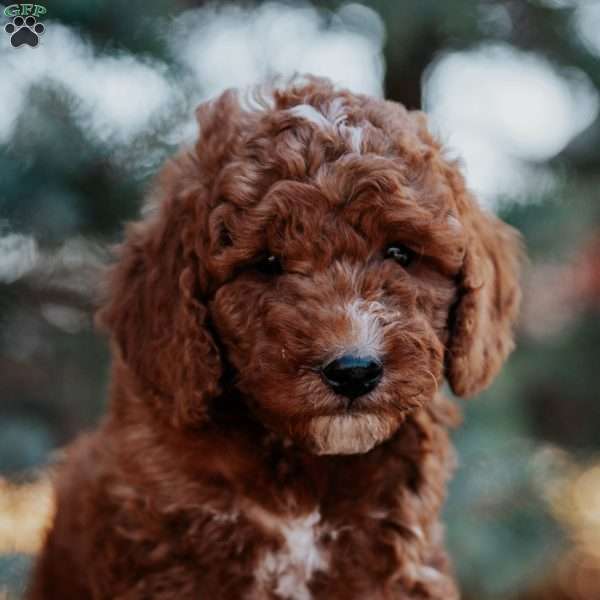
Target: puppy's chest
[307,557]
[297,550]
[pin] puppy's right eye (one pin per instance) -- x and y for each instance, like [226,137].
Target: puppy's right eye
[400,253]
[269,265]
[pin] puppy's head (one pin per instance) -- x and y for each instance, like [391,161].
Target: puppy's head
[321,246]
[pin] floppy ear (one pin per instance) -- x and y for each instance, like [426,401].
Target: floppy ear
[155,309]
[481,325]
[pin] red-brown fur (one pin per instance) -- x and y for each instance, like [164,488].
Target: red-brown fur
[221,438]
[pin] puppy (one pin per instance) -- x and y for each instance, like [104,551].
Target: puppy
[282,319]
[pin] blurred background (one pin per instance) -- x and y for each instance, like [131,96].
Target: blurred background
[511,86]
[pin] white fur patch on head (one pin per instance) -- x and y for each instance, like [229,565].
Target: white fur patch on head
[366,320]
[332,119]
[310,113]
[354,138]
[352,433]
[287,571]
[336,112]
[257,98]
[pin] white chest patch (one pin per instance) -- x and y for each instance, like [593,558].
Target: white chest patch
[288,570]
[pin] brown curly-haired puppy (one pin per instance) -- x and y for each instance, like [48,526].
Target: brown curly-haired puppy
[283,318]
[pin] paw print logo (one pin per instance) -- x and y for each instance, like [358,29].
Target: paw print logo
[24,31]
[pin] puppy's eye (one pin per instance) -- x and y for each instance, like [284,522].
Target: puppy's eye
[269,265]
[400,253]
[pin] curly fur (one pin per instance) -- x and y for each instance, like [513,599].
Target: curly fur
[225,467]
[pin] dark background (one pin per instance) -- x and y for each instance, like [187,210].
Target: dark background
[524,509]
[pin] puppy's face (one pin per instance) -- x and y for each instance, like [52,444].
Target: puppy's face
[335,318]
[324,249]
[332,294]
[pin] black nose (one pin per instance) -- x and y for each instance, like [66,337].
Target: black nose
[353,376]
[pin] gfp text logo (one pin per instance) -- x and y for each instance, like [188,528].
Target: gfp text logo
[23,27]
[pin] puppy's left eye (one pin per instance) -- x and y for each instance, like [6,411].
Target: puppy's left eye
[269,265]
[403,255]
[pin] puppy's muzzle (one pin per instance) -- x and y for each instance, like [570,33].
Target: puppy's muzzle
[353,376]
